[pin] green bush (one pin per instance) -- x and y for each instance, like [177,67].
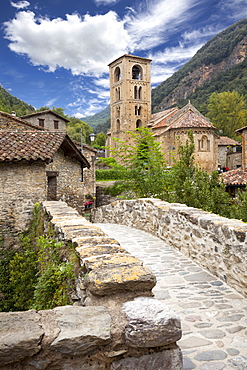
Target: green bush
[111,174]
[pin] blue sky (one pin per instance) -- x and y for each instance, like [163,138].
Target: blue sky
[56,52]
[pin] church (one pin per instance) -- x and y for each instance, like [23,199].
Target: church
[130,102]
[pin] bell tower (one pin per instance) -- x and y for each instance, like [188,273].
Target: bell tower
[130,95]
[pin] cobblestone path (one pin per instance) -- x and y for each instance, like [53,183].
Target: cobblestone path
[213,315]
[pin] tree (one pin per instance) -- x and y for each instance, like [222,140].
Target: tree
[78,129]
[227,111]
[100,140]
[143,164]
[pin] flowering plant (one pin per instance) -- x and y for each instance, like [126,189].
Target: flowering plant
[88,203]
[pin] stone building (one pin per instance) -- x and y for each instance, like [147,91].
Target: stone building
[54,122]
[236,179]
[36,165]
[171,128]
[130,94]
[48,120]
[229,153]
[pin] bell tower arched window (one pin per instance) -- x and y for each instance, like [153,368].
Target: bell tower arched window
[138,110]
[137,92]
[118,125]
[136,73]
[117,92]
[138,123]
[117,74]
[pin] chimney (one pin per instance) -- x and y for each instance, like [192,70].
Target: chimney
[13,113]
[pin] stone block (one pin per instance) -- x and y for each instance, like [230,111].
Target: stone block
[82,329]
[150,324]
[99,250]
[20,335]
[85,242]
[115,260]
[170,359]
[107,281]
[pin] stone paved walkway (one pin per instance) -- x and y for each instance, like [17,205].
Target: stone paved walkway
[213,315]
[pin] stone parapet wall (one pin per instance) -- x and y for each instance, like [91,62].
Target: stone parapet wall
[114,322]
[216,243]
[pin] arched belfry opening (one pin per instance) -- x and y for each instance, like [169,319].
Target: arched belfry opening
[136,73]
[117,74]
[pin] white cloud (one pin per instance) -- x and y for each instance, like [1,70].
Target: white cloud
[51,102]
[83,45]
[20,4]
[235,9]
[151,26]
[105,2]
[93,106]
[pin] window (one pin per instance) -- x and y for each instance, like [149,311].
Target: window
[118,125]
[117,91]
[55,125]
[138,123]
[136,73]
[118,112]
[137,92]
[41,122]
[204,144]
[117,74]
[137,110]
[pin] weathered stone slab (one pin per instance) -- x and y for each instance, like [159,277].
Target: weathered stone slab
[20,335]
[82,329]
[99,250]
[84,242]
[102,281]
[71,232]
[150,323]
[72,221]
[170,359]
[112,260]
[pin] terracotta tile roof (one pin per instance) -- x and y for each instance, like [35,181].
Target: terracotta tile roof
[161,119]
[9,122]
[224,140]
[235,177]
[187,117]
[29,145]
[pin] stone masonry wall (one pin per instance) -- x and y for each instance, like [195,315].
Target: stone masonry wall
[21,185]
[70,187]
[216,243]
[48,121]
[114,323]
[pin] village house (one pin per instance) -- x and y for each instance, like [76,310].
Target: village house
[36,165]
[47,119]
[52,121]
[236,179]
[229,153]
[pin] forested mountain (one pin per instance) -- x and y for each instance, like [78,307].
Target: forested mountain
[220,65]
[98,118]
[9,103]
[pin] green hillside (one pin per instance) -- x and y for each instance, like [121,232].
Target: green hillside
[220,50]
[98,118]
[9,103]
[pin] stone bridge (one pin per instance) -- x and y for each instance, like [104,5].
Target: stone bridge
[115,323]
